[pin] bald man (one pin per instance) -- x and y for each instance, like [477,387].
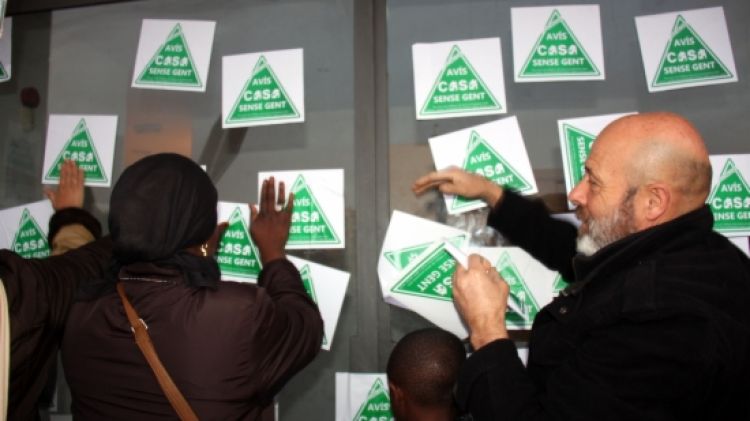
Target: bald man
[655,324]
[422,373]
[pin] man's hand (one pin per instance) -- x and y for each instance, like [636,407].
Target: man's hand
[270,227]
[481,297]
[459,182]
[69,193]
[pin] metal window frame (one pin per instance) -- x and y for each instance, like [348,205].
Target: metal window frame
[372,204]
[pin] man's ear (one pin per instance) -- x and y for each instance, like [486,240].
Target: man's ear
[398,400]
[394,390]
[658,202]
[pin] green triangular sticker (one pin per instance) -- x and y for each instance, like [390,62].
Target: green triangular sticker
[687,58]
[519,292]
[172,64]
[30,241]
[79,148]
[377,407]
[459,89]
[558,53]
[400,259]
[482,159]
[559,284]
[309,223]
[431,278]
[730,200]
[307,282]
[262,98]
[577,147]
[237,255]
[3,73]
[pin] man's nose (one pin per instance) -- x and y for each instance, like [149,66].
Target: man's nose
[577,196]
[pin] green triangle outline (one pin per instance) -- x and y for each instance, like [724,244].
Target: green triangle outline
[556,15]
[26,216]
[679,23]
[259,65]
[475,140]
[569,150]
[398,286]
[234,217]
[559,284]
[504,262]
[729,169]
[454,55]
[81,126]
[175,32]
[392,255]
[3,73]
[377,389]
[300,183]
[305,275]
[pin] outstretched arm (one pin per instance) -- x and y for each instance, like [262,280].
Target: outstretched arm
[70,227]
[69,192]
[528,224]
[525,223]
[292,328]
[459,182]
[40,291]
[270,227]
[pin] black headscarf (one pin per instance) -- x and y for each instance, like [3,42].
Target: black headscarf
[160,206]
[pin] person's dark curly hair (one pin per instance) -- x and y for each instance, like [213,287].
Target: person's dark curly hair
[425,364]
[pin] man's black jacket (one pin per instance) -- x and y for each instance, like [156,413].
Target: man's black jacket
[655,326]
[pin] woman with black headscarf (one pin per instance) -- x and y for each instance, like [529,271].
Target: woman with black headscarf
[228,347]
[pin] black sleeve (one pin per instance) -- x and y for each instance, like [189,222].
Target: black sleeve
[527,224]
[40,294]
[42,290]
[292,331]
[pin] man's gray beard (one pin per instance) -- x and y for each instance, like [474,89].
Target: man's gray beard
[609,229]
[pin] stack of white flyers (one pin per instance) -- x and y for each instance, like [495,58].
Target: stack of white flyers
[417,264]
[416,271]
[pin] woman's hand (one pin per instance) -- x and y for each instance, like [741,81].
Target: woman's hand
[69,193]
[270,227]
